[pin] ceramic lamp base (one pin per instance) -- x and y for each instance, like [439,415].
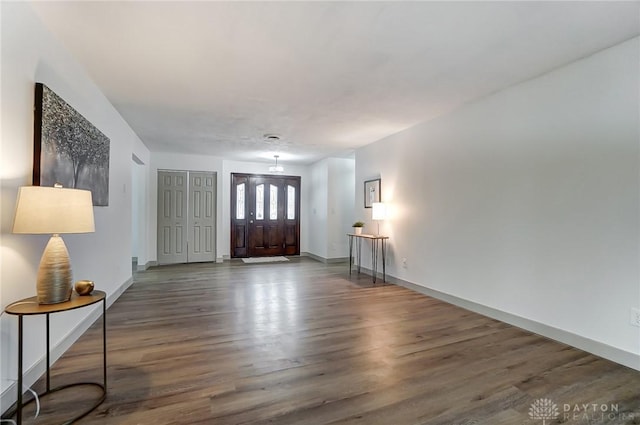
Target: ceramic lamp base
[54,283]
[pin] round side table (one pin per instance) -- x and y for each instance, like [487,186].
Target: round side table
[30,307]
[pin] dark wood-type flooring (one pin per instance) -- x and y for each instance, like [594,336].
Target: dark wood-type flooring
[303,343]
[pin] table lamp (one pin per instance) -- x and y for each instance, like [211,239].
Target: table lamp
[378,213]
[53,210]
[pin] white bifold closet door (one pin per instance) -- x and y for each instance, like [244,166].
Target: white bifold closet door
[201,243]
[186,216]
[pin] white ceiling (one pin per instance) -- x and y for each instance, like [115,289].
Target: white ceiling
[214,77]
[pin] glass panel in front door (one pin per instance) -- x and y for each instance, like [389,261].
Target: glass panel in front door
[273,202]
[291,202]
[260,202]
[240,201]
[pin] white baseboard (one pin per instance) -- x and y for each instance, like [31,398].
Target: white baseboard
[325,260]
[314,257]
[625,358]
[116,294]
[143,267]
[31,375]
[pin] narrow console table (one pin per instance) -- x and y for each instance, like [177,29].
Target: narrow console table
[30,307]
[377,242]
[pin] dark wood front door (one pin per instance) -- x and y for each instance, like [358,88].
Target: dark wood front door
[265,215]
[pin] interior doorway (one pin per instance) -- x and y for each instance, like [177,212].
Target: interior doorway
[265,215]
[139,254]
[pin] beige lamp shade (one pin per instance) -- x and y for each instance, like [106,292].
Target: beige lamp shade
[53,210]
[378,211]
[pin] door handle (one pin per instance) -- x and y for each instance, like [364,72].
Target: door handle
[250,221]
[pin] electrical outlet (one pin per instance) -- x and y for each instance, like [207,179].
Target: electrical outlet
[634,318]
[404,263]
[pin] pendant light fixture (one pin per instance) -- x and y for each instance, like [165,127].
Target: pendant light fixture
[276,168]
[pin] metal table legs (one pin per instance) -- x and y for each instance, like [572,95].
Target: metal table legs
[49,390]
[377,244]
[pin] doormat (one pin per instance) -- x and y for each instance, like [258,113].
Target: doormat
[264,259]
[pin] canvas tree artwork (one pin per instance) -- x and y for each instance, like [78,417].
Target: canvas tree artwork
[69,149]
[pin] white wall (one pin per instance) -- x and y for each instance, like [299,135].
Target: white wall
[139,213]
[136,193]
[326,207]
[30,54]
[340,211]
[526,201]
[145,230]
[318,200]
[331,211]
[223,168]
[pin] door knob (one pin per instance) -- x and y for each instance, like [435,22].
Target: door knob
[250,221]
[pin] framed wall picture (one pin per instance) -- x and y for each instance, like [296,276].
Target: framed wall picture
[371,192]
[68,149]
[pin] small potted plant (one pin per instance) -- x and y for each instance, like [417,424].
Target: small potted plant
[357,227]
